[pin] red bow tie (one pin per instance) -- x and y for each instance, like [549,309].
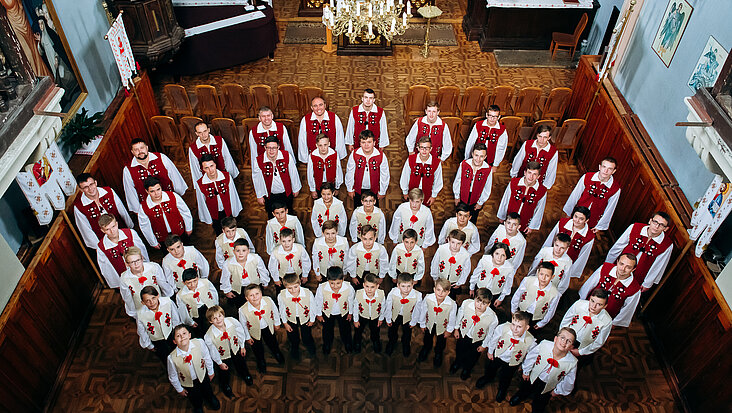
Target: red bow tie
[225,336]
[370,301]
[231,244]
[296,299]
[158,314]
[413,219]
[506,241]
[513,343]
[495,271]
[259,314]
[437,309]
[289,257]
[142,279]
[539,294]
[407,254]
[552,363]
[332,251]
[476,319]
[336,296]
[452,260]
[588,320]
[182,263]
[244,274]
[283,227]
[404,300]
[367,257]
[188,358]
[368,218]
[554,263]
[196,294]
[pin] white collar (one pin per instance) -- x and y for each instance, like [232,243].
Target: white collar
[569,226]
[546,148]
[279,156]
[614,274]
[151,204]
[261,306]
[374,108]
[211,141]
[657,240]
[108,243]
[316,152]
[470,164]
[438,121]
[596,178]
[86,201]
[427,162]
[314,117]
[150,157]
[191,346]
[496,126]
[219,177]
[359,151]
[260,127]
[523,183]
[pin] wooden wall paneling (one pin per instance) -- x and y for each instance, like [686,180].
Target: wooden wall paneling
[583,88]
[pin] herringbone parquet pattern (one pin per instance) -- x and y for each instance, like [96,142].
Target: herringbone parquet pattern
[111,373]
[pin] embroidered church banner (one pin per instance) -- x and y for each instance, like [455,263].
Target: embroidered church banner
[713,208]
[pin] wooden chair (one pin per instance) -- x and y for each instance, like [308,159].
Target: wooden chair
[288,100]
[527,133]
[292,130]
[526,102]
[556,103]
[307,94]
[415,103]
[236,100]
[209,106]
[454,124]
[261,95]
[501,97]
[567,40]
[169,137]
[180,104]
[569,135]
[227,129]
[448,98]
[472,102]
[513,126]
[189,128]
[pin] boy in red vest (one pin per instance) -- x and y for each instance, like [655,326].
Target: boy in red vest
[323,166]
[473,181]
[475,324]
[190,369]
[163,213]
[525,196]
[216,194]
[400,310]
[225,341]
[92,203]
[112,247]
[275,176]
[316,123]
[581,235]
[619,280]
[432,127]
[541,151]
[367,168]
[422,170]
[598,192]
[491,134]
[145,165]
[366,116]
[206,143]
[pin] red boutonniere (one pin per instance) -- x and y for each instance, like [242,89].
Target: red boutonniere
[452,260]
[158,314]
[476,319]
[404,301]
[336,296]
[142,279]
[413,219]
[188,358]
[437,310]
[225,336]
[182,263]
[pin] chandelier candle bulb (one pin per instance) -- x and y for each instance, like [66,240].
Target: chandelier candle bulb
[404,19]
[381,9]
[371,33]
[331,3]
[371,10]
[350,26]
[409,7]
[358,9]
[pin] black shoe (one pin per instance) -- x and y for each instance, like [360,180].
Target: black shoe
[453,367]
[227,392]
[349,348]
[423,354]
[262,367]
[295,353]
[515,400]
[248,380]
[356,347]
[406,350]
[279,357]
[389,348]
[214,403]
[482,382]
[326,349]
[377,346]
[437,362]
[465,374]
[501,395]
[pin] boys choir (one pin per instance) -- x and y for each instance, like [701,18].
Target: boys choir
[174,302]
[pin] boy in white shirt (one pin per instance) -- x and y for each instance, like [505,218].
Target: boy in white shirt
[407,257]
[155,322]
[367,214]
[181,258]
[281,220]
[494,272]
[224,243]
[452,262]
[461,221]
[190,369]
[538,296]
[557,255]
[329,250]
[437,314]
[333,302]
[367,256]
[297,310]
[193,299]
[328,208]
[413,214]
[289,258]
[225,340]
[476,322]
[509,234]
[400,310]
[261,318]
[368,308]
[243,268]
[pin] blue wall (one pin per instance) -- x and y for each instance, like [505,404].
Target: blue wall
[599,25]
[85,24]
[656,92]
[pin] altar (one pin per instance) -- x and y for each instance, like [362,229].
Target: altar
[523,24]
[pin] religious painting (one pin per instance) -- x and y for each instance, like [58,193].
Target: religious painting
[44,44]
[672,27]
[708,67]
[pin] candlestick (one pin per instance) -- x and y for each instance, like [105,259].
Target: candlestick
[370,32]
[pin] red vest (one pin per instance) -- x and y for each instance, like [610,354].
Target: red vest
[116,254]
[595,197]
[313,128]
[374,165]
[481,177]
[528,197]
[259,138]
[282,166]
[543,157]
[363,121]
[168,209]
[489,136]
[212,190]
[327,165]
[645,249]
[578,241]
[434,132]
[155,168]
[422,173]
[618,293]
[215,148]
[92,212]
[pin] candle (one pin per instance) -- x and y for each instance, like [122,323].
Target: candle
[332,19]
[381,9]
[404,19]
[393,24]
[350,26]
[371,10]
[358,9]
[370,32]
[331,3]
[409,7]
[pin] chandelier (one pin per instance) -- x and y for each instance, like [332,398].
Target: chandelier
[363,18]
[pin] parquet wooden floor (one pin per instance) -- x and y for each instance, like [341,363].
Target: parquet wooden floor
[111,373]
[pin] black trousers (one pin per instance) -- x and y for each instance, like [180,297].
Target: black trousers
[344,327]
[202,322]
[234,362]
[237,301]
[299,330]
[270,340]
[474,213]
[584,361]
[440,341]
[505,372]
[539,401]
[466,352]
[164,347]
[373,330]
[393,332]
[216,222]
[201,390]
[272,198]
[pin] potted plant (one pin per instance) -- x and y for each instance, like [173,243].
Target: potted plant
[83,130]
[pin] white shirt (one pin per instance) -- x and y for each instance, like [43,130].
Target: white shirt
[262,273]
[278,187]
[383,130]
[133,201]
[565,386]
[549,312]
[471,245]
[324,288]
[205,356]
[446,139]
[302,137]
[82,222]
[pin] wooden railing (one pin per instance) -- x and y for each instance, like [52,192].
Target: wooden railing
[55,294]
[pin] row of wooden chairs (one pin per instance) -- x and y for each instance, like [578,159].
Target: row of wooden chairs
[528,103]
[236,102]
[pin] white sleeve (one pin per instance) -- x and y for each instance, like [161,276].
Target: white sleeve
[108,272]
[591,282]
[549,241]
[500,149]
[429,233]
[206,356]
[384,176]
[626,312]
[137,241]
[306,265]
[343,222]
[493,341]
[457,183]
[339,176]
[474,242]
[515,298]
[281,305]
[420,267]
[133,200]
[203,213]
[294,175]
[269,238]
[299,233]
[288,143]
[229,163]
[383,262]
[393,264]
[386,313]
[442,238]
[264,274]
[249,241]
[85,229]
[534,264]
[503,207]
[253,147]
[123,211]
[476,274]
[382,229]
[310,175]
[315,261]
[529,360]
[578,266]
[446,143]
[318,301]
[260,188]
[348,134]
[194,164]
[179,185]
[340,144]
[353,311]
[350,172]
[146,229]
[420,314]
[471,142]
[275,311]
[273,267]
[551,171]
[215,357]
[166,283]
[396,220]
[383,131]
[658,268]
[434,266]
[225,279]
[619,246]
[317,229]
[127,299]
[202,263]
[507,285]
[350,262]
[486,190]
[452,321]
[185,316]
[518,160]
[185,213]
[438,183]
[234,199]
[240,330]
[574,196]
[519,257]
[607,215]
[459,316]
[404,178]
[145,341]
[352,227]
[411,139]
[302,142]
[173,375]
[535,222]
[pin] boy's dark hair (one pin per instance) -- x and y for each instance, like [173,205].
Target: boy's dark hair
[327,185]
[513,215]
[366,229]
[149,290]
[83,177]
[251,287]
[409,233]
[582,210]
[228,222]
[524,316]
[564,237]
[172,239]
[533,166]
[270,139]
[291,279]
[105,219]
[458,235]
[150,181]
[367,193]
[504,247]
[241,242]
[493,108]
[404,277]
[206,157]
[330,224]
[334,273]
[462,207]
[136,141]
[370,277]
[485,295]
[189,274]
[366,134]
[277,205]
[180,327]
[286,232]
[547,266]
[600,293]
